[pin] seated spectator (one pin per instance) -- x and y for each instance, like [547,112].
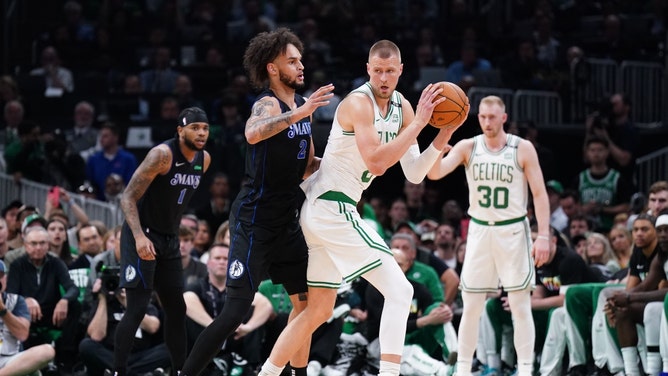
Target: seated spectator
[39,277]
[9,213]
[599,255]
[113,188]
[61,168]
[521,69]
[59,245]
[25,156]
[111,159]
[193,270]
[15,326]
[468,63]
[558,218]
[203,238]
[4,234]
[588,305]
[82,138]
[205,299]
[12,117]
[217,209]
[32,219]
[183,92]
[632,308]
[160,78]
[90,245]
[55,76]
[621,243]
[149,352]
[613,124]
[603,191]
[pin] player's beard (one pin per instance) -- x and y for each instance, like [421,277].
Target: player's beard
[291,83]
[191,145]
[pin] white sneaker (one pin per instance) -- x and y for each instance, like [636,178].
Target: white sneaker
[331,371]
[313,368]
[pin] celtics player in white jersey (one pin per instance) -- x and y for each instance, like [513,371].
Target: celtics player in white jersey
[374,128]
[498,168]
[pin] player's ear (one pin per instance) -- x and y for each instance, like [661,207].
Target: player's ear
[271,68]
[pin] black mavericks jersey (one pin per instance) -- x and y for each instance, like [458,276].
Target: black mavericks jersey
[165,200]
[274,169]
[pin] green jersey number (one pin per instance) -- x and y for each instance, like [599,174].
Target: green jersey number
[496,198]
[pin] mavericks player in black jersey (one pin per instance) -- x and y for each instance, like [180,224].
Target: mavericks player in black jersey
[156,196]
[265,235]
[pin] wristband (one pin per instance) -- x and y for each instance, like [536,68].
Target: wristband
[545,237]
[3,312]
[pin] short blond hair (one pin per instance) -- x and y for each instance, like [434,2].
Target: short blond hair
[384,49]
[491,100]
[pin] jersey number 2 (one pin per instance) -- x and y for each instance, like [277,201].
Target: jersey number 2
[303,144]
[497,197]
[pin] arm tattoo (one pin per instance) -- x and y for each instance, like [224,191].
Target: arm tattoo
[156,161]
[263,124]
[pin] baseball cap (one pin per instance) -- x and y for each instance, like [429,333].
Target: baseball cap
[555,186]
[31,219]
[661,221]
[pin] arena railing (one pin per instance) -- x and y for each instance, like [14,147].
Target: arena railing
[651,168]
[643,82]
[543,107]
[476,93]
[33,193]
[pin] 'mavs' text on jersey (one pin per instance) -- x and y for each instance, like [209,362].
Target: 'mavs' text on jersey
[185,179]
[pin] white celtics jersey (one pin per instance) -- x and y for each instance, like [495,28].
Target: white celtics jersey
[342,168]
[498,189]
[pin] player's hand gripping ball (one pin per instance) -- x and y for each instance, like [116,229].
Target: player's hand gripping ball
[454,110]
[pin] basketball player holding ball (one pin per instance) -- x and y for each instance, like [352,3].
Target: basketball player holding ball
[374,127]
[498,167]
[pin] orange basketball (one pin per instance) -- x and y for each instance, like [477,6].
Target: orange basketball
[452,110]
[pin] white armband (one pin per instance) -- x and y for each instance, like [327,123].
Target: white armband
[416,165]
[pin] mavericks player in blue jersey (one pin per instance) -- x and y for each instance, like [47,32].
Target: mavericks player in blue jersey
[499,170]
[265,235]
[156,196]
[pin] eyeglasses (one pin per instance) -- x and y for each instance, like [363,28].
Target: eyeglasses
[85,189]
[35,244]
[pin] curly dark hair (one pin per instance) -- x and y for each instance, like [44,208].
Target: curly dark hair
[263,49]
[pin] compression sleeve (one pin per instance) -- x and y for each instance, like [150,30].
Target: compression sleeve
[416,165]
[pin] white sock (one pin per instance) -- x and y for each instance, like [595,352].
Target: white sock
[269,369]
[463,367]
[630,357]
[388,368]
[494,361]
[653,363]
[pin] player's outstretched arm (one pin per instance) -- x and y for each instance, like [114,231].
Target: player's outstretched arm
[456,156]
[267,120]
[157,161]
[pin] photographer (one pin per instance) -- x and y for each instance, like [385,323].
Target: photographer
[14,327]
[149,352]
[612,122]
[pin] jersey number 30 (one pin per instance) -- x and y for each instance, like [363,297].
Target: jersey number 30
[496,197]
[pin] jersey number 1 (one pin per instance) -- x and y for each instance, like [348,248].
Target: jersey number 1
[181,196]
